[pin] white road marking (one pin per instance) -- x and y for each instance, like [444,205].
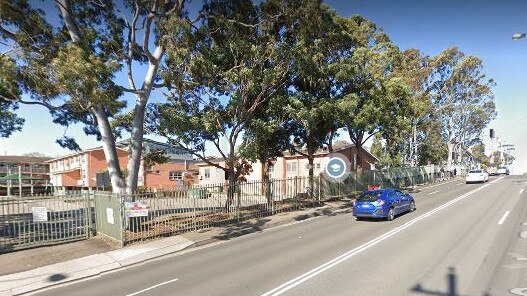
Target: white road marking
[521,191]
[347,255]
[460,183]
[434,192]
[502,220]
[153,287]
[518,257]
[519,291]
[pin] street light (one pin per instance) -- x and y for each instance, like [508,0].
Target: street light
[519,36]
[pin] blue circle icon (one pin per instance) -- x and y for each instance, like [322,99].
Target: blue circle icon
[336,167]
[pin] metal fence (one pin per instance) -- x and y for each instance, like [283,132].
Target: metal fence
[42,220]
[32,221]
[152,214]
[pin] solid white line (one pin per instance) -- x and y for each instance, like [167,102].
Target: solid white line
[317,270]
[460,183]
[153,287]
[434,192]
[502,220]
[521,191]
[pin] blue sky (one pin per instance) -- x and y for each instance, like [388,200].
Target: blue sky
[481,28]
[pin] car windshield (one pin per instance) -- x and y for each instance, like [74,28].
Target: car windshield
[475,172]
[369,196]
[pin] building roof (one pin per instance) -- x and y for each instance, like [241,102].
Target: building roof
[325,151]
[24,159]
[79,153]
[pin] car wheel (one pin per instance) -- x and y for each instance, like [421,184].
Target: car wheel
[412,206]
[391,214]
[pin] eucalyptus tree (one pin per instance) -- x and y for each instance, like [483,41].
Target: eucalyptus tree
[69,60]
[9,93]
[462,95]
[233,66]
[371,98]
[313,33]
[266,136]
[415,70]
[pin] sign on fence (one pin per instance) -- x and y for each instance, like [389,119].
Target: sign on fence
[135,209]
[109,216]
[40,214]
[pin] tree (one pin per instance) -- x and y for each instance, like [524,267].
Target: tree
[432,149]
[478,152]
[312,32]
[69,62]
[415,70]
[379,150]
[232,68]
[9,93]
[462,95]
[266,136]
[372,98]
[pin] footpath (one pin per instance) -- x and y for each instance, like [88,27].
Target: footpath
[32,270]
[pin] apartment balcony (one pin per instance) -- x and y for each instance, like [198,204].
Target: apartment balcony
[25,170]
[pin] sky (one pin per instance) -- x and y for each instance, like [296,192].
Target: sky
[477,27]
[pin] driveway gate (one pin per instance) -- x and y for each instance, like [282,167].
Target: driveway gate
[34,221]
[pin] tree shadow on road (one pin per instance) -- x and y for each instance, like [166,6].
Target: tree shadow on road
[242,228]
[451,290]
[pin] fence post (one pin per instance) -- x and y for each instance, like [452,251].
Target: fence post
[319,192]
[89,225]
[238,197]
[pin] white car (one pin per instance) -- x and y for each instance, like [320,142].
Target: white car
[477,176]
[503,171]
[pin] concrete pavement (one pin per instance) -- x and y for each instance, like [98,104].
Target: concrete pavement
[13,281]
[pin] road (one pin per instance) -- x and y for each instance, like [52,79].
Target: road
[464,239]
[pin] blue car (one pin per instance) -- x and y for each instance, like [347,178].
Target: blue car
[382,203]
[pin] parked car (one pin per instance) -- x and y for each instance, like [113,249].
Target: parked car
[382,203]
[503,171]
[474,176]
[492,171]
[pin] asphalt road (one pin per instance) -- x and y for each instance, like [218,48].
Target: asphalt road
[463,239]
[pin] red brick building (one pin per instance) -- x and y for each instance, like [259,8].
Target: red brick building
[80,170]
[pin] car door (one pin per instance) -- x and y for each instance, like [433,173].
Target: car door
[404,203]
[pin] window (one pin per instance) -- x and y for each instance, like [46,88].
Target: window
[206,172]
[271,168]
[173,176]
[291,167]
[318,165]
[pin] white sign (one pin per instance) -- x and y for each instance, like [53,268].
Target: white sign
[135,209]
[109,216]
[40,214]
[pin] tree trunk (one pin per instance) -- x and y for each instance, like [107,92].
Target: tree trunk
[413,144]
[450,146]
[231,187]
[310,160]
[460,154]
[110,151]
[136,145]
[136,138]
